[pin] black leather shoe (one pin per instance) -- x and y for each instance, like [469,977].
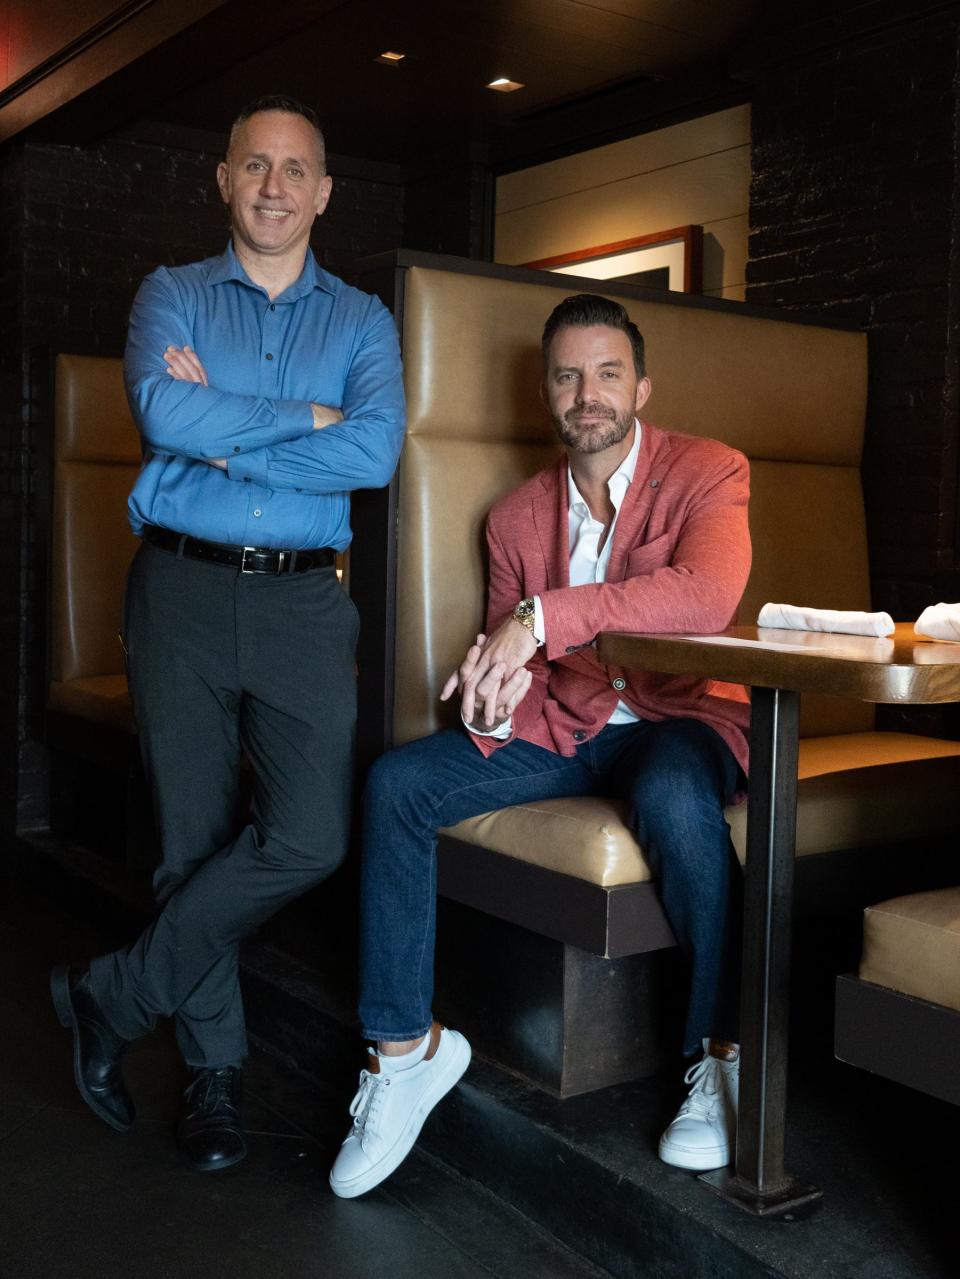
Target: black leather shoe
[97,1048]
[210,1132]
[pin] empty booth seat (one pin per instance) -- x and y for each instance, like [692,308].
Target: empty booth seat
[96,460]
[900,1016]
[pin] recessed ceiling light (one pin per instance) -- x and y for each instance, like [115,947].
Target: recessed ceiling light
[390,58]
[503,85]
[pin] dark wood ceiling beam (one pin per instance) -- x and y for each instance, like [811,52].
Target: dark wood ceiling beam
[108,44]
[606,117]
[189,56]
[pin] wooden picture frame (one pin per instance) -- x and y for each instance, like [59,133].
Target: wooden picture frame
[670,259]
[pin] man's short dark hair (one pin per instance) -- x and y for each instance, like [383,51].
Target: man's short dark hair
[280,102]
[586,309]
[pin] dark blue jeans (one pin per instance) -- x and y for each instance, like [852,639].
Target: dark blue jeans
[678,776]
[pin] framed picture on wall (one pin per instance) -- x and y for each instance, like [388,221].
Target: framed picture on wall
[662,260]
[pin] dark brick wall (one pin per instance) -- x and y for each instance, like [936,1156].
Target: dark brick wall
[449,207]
[82,228]
[853,214]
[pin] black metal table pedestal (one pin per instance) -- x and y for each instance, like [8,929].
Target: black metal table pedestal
[759,1183]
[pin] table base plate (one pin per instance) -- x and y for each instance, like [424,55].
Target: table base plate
[793,1197]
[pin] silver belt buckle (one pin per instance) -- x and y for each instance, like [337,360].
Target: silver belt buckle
[243,560]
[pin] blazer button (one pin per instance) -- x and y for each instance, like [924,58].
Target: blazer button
[579,735]
[619,684]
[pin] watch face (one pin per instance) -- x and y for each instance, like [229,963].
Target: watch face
[525,613]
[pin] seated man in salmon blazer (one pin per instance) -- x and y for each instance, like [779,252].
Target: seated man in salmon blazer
[634,529]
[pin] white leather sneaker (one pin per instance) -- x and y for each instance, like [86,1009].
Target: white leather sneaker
[390,1109]
[703,1134]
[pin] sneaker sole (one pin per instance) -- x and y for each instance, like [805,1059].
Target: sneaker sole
[60,993]
[451,1075]
[695,1160]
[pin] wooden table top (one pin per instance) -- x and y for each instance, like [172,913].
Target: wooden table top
[901,668]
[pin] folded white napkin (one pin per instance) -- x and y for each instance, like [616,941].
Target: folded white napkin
[845,621]
[939,621]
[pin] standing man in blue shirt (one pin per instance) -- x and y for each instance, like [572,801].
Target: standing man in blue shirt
[265,390]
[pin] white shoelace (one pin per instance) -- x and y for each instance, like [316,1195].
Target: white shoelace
[368,1101]
[705,1092]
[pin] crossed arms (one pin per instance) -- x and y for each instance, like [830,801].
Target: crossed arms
[184,365]
[282,444]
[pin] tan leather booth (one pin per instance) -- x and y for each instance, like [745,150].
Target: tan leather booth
[900,1015]
[96,460]
[792,396]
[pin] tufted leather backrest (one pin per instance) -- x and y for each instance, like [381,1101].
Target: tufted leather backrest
[96,460]
[791,396]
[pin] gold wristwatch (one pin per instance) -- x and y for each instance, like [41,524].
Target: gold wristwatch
[524,613]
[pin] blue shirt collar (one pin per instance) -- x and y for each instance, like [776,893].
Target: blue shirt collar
[228,267]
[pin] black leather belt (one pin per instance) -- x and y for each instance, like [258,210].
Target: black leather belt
[248,559]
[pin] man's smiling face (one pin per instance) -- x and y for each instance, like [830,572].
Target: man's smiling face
[274,182]
[591,387]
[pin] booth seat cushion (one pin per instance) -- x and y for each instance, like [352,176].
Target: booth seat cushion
[856,790]
[912,944]
[104,699]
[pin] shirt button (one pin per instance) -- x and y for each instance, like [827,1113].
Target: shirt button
[579,735]
[236,448]
[269,356]
[571,649]
[273,306]
[258,511]
[619,684]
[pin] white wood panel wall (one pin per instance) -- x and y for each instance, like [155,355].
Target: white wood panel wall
[698,171]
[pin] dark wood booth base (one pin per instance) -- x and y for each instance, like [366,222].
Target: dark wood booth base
[559,1017]
[899,1037]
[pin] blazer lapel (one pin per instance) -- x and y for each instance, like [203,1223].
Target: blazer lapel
[552,526]
[640,497]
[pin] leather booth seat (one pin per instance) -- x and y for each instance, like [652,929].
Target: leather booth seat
[858,788]
[912,944]
[96,460]
[790,395]
[899,1017]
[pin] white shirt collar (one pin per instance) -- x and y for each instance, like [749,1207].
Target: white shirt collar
[618,482]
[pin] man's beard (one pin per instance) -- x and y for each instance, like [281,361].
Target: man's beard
[598,435]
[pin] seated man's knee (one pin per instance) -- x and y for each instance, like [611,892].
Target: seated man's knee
[397,779]
[680,787]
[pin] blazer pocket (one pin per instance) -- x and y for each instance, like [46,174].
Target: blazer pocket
[650,556]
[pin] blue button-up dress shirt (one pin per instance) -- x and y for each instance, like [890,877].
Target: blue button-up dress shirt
[286,485]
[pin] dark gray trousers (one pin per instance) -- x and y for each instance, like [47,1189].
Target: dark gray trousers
[223,663]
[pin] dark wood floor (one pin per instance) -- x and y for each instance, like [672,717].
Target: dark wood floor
[80,1201]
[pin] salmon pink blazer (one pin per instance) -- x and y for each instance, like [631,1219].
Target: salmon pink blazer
[679,563]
